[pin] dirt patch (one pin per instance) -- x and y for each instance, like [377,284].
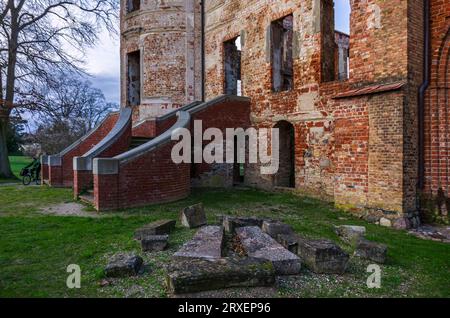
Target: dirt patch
[69,209]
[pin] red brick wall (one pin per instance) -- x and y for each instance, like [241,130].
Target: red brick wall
[83,180]
[437,112]
[334,157]
[150,179]
[65,177]
[153,177]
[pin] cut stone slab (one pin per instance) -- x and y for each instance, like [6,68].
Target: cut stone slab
[194,216]
[261,246]
[162,227]
[322,256]
[276,228]
[289,241]
[206,244]
[124,265]
[155,243]
[372,251]
[350,233]
[231,223]
[196,275]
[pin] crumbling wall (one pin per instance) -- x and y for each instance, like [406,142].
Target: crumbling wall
[349,149]
[168,35]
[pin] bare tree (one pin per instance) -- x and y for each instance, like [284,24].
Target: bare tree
[37,37]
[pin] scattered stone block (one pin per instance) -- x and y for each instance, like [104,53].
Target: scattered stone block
[155,243]
[124,265]
[385,222]
[323,256]
[261,246]
[289,241]
[402,224]
[350,233]
[231,223]
[194,216]
[162,227]
[373,251]
[276,228]
[206,244]
[197,275]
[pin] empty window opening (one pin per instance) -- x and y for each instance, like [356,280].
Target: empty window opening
[133,5]
[335,25]
[285,176]
[282,33]
[134,78]
[232,67]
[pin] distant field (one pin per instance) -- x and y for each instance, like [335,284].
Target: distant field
[17,163]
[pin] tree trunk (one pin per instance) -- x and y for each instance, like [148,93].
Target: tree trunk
[5,169]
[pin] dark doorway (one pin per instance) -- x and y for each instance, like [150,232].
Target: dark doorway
[134,78]
[238,167]
[232,67]
[286,173]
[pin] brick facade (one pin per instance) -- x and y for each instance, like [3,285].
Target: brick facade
[167,36]
[437,113]
[348,126]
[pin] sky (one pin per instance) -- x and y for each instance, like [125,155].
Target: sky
[103,61]
[103,64]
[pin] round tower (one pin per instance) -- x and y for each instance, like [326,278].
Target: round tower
[161,55]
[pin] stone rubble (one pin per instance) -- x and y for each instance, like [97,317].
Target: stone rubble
[155,243]
[206,244]
[124,265]
[162,227]
[261,246]
[194,216]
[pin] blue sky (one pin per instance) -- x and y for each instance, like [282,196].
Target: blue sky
[342,15]
[103,61]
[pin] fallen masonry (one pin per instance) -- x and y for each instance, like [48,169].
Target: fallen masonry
[261,246]
[289,241]
[123,265]
[231,223]
[276,228]
[162,227]
[350,233]
[206,244]
[322,256]
[372,251]
[155,243]
[195,275]
[194,216]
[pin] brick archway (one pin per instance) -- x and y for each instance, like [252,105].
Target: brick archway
[286,173]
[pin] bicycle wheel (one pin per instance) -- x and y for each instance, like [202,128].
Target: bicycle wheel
[26,180]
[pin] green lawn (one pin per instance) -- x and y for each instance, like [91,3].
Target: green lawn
[17,163]
[36,249]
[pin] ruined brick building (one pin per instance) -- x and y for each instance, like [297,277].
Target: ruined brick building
[363,117]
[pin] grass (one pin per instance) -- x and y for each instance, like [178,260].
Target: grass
[17,163]
[36,249]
